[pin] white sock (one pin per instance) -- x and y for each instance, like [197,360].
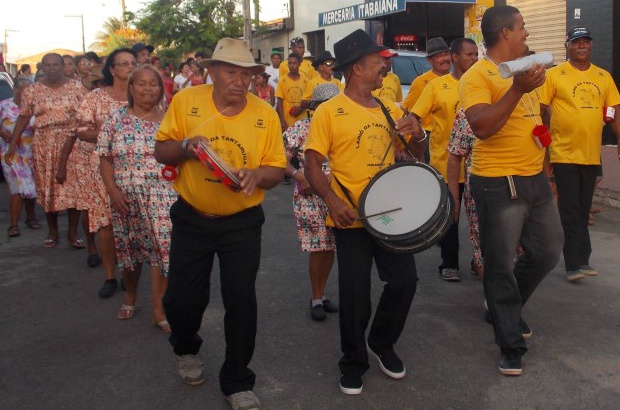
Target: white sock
[316,302]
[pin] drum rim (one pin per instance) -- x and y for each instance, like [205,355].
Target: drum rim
[432,221]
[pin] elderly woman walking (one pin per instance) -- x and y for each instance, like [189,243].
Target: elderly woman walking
[97,106]
[140,197]
[19,175]
[52,102]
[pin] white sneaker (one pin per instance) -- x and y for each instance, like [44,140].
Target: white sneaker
[243,400]
[190,369]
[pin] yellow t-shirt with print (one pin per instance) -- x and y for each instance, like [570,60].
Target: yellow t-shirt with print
[313,83]
[290,92]
[390,88]
[512,150]
[439,102]
[250,139]
[355,139]
[415,91]
[576,99]
[305,67]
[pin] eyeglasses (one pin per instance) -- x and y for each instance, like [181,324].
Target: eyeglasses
[329,63]
[85,63]
[126,64]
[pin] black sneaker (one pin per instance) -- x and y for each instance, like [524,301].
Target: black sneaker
[510,364]
[108,288]
[317,312]
[390,363]
[350,384]
[93,260]
[329,307]
[526,331]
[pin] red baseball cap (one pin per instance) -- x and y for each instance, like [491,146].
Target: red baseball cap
[389,53]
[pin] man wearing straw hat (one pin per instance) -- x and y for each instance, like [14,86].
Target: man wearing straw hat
[209,218]
[352,130]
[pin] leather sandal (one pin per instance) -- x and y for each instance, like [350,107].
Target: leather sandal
[32,223]
[13,231]
[164,326]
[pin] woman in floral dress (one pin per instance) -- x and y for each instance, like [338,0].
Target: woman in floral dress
[460,145]
[19,175]
[310,210]
[92,198]
[140,197]
[52,102]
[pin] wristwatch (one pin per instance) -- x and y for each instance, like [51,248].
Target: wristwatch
[184,146]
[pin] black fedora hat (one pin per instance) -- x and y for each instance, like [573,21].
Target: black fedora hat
[353,47]
[321,58]
[436,45]
[136,48]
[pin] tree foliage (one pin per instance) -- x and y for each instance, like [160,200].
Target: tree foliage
[115,34]
[183,26]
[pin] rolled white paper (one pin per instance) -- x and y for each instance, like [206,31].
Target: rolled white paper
[521,65]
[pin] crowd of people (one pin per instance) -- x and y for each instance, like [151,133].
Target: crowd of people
[90,136]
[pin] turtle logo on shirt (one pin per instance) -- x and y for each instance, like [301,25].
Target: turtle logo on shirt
[587,96]
[377,146]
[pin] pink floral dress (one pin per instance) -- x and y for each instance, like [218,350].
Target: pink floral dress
[461,142]
[19,175]
[54,110]
[309,210]
[92,195]
[143,233]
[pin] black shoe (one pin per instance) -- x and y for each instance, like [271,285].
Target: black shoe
[329,307]
[317,312]
[93,260]
[390,363]
[108,288]
[526,331]
[510,364]
[350,384]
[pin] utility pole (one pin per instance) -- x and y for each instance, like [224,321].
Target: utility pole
[247,23]
[5,48]
[81,16]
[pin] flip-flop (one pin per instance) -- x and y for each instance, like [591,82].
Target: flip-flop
[596,210]
[164,326]
[78,243]
[126,312]
[50,242]
[32,223]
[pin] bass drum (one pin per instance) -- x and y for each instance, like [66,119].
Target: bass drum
[409,207]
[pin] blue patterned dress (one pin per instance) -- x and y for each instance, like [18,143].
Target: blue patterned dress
[143,233]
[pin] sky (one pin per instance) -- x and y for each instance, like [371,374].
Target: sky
[36,26]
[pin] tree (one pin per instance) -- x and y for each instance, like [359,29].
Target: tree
[116,34]
[189,25]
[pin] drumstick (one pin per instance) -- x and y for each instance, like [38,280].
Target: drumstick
[379,213]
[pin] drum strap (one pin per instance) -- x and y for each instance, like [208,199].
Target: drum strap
[345,191]
[393,125]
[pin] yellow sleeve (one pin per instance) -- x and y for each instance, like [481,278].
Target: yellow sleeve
[319,135]
[472,90]
[424,106]
[280,88]
[417,86]
[273,155]
[308,90]
[613,97]
[547,90]
[171,125]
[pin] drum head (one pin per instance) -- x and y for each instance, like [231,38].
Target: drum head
[414,187]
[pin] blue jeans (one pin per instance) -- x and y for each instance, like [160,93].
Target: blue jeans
[531,219]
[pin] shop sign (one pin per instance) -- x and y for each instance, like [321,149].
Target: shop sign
[362,11]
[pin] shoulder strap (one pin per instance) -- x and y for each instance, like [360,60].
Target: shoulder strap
[390,121]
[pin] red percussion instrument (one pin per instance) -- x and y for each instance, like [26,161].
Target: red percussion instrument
[220,169]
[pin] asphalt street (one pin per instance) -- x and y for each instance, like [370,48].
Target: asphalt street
[61,347]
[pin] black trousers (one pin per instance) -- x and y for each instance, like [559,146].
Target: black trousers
[575,185]
[356,251]
[450,242]
[195,241]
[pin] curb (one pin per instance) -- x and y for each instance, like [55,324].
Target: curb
[607,197]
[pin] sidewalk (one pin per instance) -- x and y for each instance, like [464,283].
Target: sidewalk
[608,191]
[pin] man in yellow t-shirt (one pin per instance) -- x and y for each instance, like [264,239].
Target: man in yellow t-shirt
[438,55]
[390,88]
[210,219]
[439,102]
[513,197]
[290,90]
[324,65]
[298,47]
[354,133]
[576,92]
